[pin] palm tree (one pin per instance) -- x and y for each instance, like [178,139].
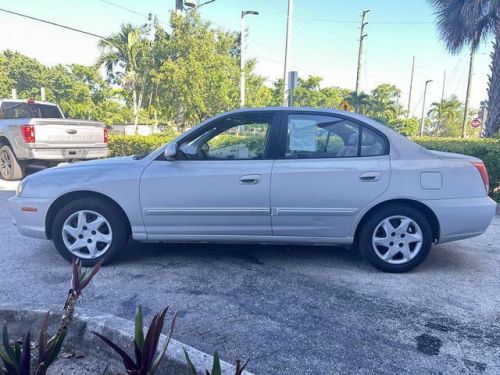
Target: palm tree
[384,102]
[445,117]
[359,101]
[466,23]
[123,54]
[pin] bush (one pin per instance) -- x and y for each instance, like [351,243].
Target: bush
[488,150]
[121,145]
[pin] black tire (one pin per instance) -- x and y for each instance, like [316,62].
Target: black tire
[114,216]
[367,231]
[11,169]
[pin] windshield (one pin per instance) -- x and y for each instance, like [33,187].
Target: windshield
[11,110]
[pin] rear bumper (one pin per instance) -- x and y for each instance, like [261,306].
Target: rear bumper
[29,223]
[462,218]
[61,154]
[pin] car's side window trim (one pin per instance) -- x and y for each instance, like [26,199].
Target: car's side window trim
[268,145]
[284,129]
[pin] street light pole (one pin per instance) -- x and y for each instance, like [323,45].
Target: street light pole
[242,54]
[287,51]
[423,108]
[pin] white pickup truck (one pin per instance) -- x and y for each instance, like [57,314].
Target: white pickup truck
[37,134]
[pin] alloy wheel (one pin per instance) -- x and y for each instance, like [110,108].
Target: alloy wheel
[5,163]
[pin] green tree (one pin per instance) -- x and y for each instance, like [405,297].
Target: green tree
[465,23]
[405,126]
[360,102]
[445,117]
[24,74]
[384,103]
[200,77]
[127,58]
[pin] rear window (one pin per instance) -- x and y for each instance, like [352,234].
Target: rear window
[10,110]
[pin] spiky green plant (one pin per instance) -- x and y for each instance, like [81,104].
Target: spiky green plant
[146,360]
[216,367]
[17,360]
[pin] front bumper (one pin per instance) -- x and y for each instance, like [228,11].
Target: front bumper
[67,153]
[462,218]
[29,223]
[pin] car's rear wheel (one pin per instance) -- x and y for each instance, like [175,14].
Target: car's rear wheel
[11,169]
[90,229]
[396,238]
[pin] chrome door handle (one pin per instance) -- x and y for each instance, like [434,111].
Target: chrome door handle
[251,179]
[370,176]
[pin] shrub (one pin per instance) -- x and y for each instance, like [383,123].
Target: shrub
[121,145]
[488,150]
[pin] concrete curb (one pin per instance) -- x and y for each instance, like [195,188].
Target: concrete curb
[119,330]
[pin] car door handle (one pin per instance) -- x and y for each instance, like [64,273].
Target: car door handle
[370,176]
[250,179]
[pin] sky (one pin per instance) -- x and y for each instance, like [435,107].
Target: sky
[325,35]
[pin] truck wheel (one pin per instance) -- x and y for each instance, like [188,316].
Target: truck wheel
[10,168]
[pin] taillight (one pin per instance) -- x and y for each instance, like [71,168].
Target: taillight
[28,132]
[105,135]
[484,174]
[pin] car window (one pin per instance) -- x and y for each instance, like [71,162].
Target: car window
[239,137]
[12,110]
[319,136]
[372,144]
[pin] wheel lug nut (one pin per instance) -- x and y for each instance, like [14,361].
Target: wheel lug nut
[94,232]
[80,236]
[391,243]
[84,228]
[403,236]
[401,245]
[89,240]
[393,234]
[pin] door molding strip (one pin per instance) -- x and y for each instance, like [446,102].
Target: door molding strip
[236,211]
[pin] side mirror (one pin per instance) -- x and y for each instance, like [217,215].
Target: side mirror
[171,151]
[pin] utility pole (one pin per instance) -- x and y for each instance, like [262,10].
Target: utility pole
[444,85]
[242,54]
[411,87]
[179,7]
[467,94]
[423,108]
[287,51]
[362,36]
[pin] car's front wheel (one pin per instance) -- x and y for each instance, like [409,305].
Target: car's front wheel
[91,230]
[396,238]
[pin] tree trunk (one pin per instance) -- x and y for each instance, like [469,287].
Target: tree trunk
[492,125]
[135,109]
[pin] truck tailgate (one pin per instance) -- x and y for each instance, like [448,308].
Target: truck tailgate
[62,133]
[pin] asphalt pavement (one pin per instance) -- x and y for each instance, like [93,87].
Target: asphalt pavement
[289,309]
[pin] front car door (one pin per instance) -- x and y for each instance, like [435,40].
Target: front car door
[330,169]
[219,184]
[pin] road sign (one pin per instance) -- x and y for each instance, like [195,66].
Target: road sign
[475,123]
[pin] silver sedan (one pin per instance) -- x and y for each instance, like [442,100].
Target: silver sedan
[271,175]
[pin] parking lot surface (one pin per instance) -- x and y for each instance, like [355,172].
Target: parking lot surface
[289,309]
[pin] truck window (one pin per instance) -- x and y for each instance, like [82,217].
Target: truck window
[11,110]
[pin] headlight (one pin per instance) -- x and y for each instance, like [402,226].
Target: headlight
[20,188]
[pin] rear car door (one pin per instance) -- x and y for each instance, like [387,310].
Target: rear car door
[331,168]
[219,184]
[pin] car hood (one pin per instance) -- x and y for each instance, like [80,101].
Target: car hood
[94,175]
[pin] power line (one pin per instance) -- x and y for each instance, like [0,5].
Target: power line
[371,22]
[147,16]
[52,23]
